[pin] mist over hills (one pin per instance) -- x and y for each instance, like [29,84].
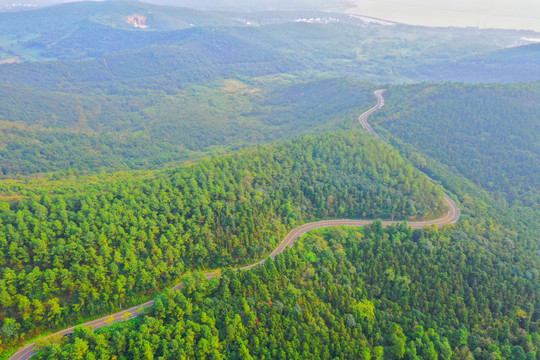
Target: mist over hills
[109,70]
[82,30]
[224,5]
[491,67]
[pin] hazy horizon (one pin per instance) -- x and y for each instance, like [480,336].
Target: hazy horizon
[460,13]
[499,14]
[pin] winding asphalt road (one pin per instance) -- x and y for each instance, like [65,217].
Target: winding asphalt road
[451,217]
[363,118]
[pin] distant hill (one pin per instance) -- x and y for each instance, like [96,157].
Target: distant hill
[327,41]
[227,5]
[56,19]
[514,64]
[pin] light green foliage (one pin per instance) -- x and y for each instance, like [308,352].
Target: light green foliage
[319,320]
[104,245]
[488,132]
[140,128]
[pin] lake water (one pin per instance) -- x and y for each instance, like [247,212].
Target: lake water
[513,14]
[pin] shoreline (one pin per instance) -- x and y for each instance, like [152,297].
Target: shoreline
[417,15]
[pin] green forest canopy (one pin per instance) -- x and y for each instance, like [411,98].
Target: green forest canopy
[354,293]
[121,128]
[101,247]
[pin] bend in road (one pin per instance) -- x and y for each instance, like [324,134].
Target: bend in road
[451,217]
[363,118]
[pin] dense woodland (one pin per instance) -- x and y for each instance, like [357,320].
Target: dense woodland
[79,240]
[487,132]
[493,67]
[464,292]
[101,247]
[121,128]
[481,142]
[355,293]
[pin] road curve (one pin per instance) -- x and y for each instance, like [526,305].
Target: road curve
[363,118]
[451,217]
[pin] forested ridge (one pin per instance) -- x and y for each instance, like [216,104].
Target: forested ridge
[349,293]
[100,247]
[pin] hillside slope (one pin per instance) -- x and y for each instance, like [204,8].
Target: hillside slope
[464,292]
[366,293]
[92,249]
[147,129]
[488,132]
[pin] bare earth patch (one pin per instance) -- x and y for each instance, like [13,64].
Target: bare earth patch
[12,60]
[139,21]
[237,87]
